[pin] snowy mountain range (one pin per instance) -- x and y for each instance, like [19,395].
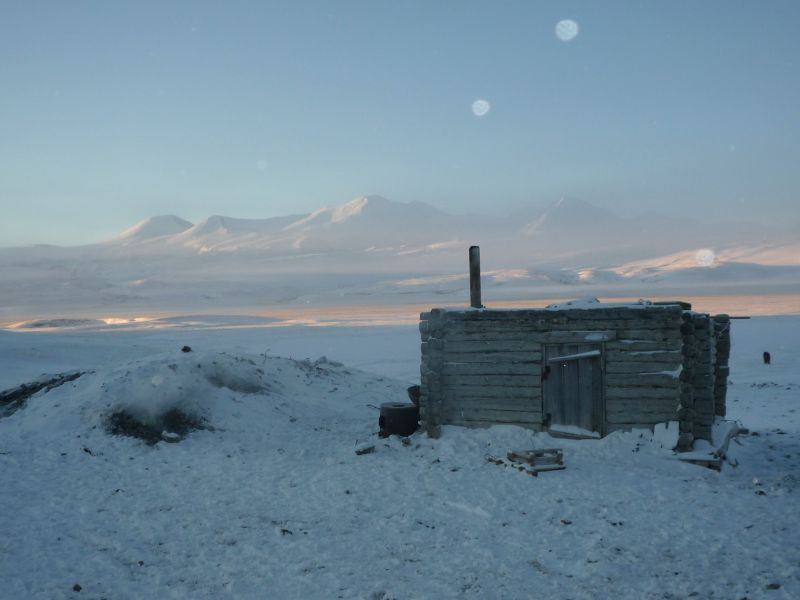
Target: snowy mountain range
[568,229]
[373,249]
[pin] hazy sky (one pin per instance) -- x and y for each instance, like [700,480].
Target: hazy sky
[114,111]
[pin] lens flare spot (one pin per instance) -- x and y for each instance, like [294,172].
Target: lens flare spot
[705,257]
[262,165]
[480,107]
[566,30]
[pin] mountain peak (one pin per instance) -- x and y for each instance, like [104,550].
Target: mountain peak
[569,213]
[154,227]
[569,203]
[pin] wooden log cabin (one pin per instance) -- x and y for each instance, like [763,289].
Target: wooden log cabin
[585,366]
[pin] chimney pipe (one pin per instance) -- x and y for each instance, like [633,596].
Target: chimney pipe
[475,277]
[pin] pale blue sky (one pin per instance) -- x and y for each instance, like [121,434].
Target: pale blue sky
[114,111]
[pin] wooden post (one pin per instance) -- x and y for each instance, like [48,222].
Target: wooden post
[475,277]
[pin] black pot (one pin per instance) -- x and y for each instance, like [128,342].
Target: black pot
[398,418]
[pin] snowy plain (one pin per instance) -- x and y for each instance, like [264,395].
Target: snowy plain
[271,501]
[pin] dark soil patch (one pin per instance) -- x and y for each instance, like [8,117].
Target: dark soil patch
[15,398]
[173,421]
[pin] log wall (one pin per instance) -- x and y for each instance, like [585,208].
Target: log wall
[481,367]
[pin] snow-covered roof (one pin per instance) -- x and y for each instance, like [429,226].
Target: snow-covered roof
[577,304]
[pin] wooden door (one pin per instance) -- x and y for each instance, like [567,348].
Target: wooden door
[573,386]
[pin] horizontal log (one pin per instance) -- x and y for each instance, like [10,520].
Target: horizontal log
[633,368]
[493,403]
[489,347]
[516,335]
[625,345]
[623,325]
[547,337]
[498,416]
[655,356]
[457,391]
[641,417]
[653,381]
[567,326]
[579,336]
[483,424]
[533,357]
[612,427]
[491,368]
[625,393]
[494,394]
[642,406]
[565,322]
[601,312]
[503,381]
[663,335]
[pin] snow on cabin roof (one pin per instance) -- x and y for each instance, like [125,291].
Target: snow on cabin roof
[578,304]
[588,303]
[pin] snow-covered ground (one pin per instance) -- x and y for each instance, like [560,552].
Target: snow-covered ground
[271,501]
